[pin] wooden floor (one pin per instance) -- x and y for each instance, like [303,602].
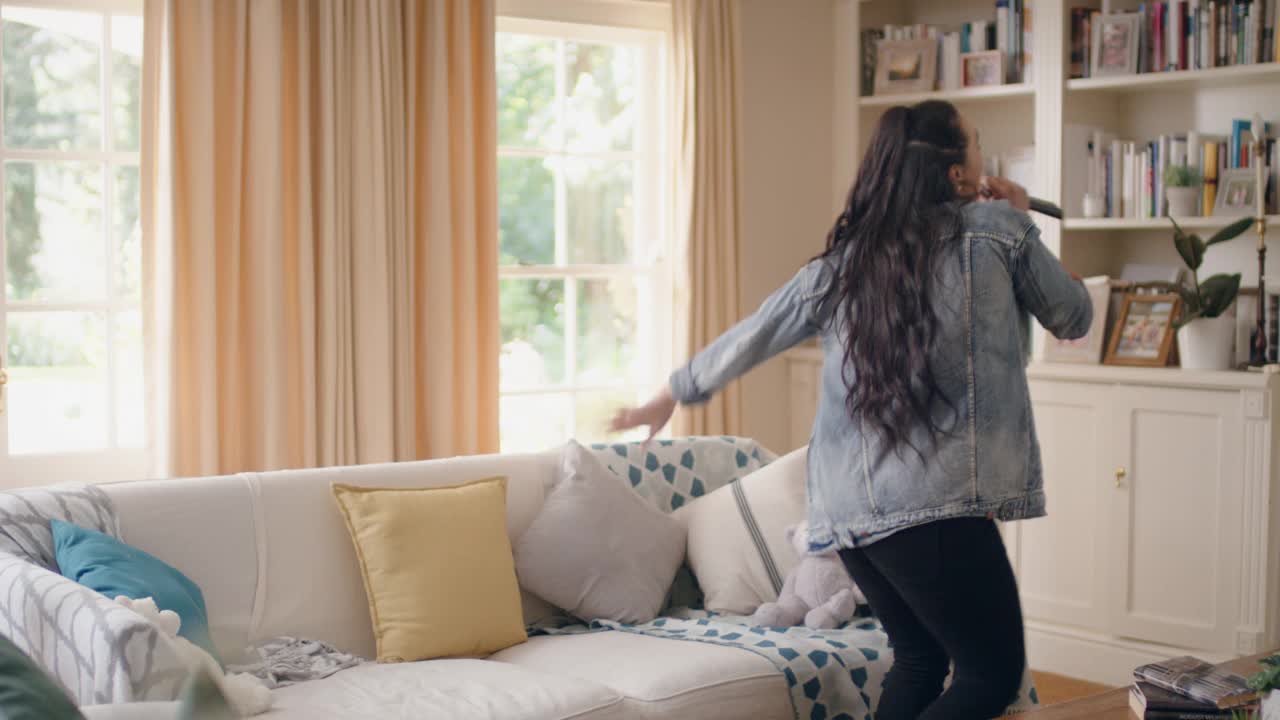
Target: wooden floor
[1053,689]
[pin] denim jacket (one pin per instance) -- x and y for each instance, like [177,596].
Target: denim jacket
[987,460]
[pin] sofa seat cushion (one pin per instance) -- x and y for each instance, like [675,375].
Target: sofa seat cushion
[663,678]
[458,689]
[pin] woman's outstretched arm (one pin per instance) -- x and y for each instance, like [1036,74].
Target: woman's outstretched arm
[785,319]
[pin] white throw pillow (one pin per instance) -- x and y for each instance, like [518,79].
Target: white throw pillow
[596,548]
[738,547]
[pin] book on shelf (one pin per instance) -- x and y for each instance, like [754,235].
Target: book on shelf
[1197,679]
[1128,175]
[1151,702]
[1007,29]
[1189,35]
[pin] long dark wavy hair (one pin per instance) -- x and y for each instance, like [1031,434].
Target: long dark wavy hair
[885,246]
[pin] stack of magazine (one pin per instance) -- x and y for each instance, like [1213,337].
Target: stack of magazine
[1187,688]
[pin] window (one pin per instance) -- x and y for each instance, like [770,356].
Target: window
[71,262]
[584,276]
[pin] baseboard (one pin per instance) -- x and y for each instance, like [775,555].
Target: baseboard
[1094,657]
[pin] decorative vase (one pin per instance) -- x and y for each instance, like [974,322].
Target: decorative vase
[1207,343]
[1183,201]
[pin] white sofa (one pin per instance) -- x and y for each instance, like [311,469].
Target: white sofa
[273,557]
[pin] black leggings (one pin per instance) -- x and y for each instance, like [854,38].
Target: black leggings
[945,593]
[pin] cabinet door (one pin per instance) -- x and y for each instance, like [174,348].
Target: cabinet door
[1059,557]
[1175,507]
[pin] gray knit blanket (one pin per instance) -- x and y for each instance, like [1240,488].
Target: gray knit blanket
[285,661]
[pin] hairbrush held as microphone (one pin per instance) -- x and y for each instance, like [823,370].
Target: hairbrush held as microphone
[1044,207]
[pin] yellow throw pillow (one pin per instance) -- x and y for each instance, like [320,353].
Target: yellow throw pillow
[437,567]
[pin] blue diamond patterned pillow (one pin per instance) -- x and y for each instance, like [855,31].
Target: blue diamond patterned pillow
[672,473]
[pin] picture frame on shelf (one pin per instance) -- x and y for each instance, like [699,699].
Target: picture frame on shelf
[1236,188]
[906,66]
[1143,335]
[982,69]
[1088,349]
[1115,45]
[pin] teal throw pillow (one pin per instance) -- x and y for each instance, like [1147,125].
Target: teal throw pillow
[26,692]
[103,563]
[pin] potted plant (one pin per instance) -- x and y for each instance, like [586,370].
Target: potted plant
[1267,683]
[1182,190]
[1206,334]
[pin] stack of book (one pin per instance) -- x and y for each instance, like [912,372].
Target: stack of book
[1186,688]
[1128,175]
[1009,31]
[1188,35]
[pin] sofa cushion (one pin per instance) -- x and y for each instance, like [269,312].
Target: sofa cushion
[113,568]
[455,689]
[437,568]
[738,548]
[663,678]
[597,549]
[208,529]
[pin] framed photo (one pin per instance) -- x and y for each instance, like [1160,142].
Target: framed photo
[1115,45]
[1143,334]
[1236,190]
[982,68]
[906,66]
[1088,349]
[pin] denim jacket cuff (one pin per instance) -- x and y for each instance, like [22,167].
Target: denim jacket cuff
[684,389]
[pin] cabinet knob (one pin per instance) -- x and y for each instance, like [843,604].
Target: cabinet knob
[1120,475]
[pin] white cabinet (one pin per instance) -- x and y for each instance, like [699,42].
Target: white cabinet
[1057,557]
[1163,532]
[1163,528]
[1174,516]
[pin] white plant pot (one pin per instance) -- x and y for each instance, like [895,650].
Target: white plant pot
[1271,706]
[1183,201]
[1208,343]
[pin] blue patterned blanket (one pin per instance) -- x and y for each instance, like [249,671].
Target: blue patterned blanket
[832,674]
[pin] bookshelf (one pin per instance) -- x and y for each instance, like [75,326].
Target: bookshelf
[1239,76]
[1100,592]
[963,95]
[1209,222]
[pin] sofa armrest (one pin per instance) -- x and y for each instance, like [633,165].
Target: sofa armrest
[99,651]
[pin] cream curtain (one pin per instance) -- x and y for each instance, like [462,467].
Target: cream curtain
[320,231]
[705,86]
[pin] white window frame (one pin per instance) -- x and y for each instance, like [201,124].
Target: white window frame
[111,463]
[652,213]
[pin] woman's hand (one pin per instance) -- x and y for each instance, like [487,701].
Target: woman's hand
[655,414]
[998,188]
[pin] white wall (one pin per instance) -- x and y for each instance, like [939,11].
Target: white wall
[788,66]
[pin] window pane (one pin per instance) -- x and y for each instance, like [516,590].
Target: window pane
[526,211]
[57,381]
[52,79]
[53,231]
[526,70]
[131,430]
[593,411]
[530,423]
[601,211]
[127,233]
[600,107]
[126,81]
[606,331]
[532,313]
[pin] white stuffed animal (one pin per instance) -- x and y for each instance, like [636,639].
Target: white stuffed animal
[818,592]
[246,695]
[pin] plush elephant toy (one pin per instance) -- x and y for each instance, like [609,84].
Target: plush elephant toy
[817,593]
